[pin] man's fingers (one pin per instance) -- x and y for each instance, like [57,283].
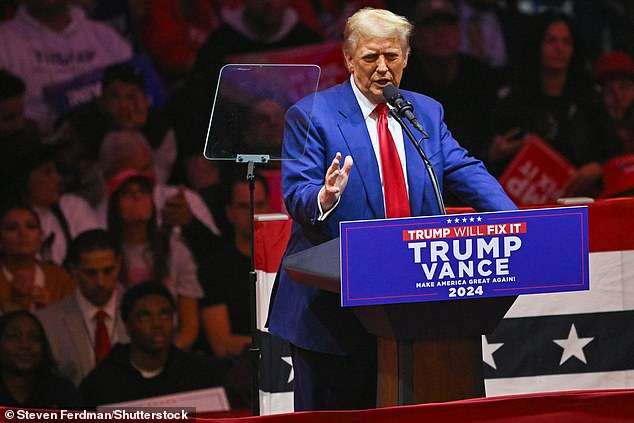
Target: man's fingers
[332,172]
[347,164]
[334,165]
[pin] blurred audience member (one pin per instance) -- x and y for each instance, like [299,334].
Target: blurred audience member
[179,208]
[124,105]
[50,41]
[149,365]
[615,74]
[465,86]
[27,367]
[482,35]
[333,14]
[605,25]
[12,117]
[552,100]
[225,308]
[62,216]
[151,252]
[82,327]
[76,164]
[26,283]
[14,146]
[173,31]
[121,15]
[225,311]
[255,26]
[618,177]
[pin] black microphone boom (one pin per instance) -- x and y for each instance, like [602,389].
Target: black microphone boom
[403,107]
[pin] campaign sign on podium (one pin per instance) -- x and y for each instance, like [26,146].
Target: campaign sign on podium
[464,256]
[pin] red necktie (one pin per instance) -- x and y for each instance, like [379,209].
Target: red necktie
[102,339]
[396,200]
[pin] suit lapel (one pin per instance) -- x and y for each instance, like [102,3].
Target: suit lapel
[74,321]
[119,333]
[355,133]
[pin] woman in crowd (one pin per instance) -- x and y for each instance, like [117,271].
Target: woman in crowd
[552,99]
[62,216]
[151,253]
[26,283]
[27,368]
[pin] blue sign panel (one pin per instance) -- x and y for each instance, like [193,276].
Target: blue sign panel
[464,256]
[66,95]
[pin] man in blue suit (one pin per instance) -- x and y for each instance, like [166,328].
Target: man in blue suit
[334,359]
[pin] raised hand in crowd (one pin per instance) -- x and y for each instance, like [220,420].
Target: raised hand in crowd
[507,145]
[176,211]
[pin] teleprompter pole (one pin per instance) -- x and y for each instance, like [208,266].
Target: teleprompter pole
[254,350]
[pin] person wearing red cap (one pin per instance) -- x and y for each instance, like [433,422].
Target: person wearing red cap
[615,74]
[150,252]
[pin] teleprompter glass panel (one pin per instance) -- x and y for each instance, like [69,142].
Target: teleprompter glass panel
[247,117]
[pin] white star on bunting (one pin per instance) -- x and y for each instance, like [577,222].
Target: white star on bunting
[288,360]
[573,346]
[488,350]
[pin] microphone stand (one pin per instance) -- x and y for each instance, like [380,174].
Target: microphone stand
[421,153]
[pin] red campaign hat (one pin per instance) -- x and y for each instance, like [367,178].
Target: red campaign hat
[618,175]
[124,176]
[614,64]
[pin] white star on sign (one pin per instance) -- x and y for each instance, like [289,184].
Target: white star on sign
[488,350]
[573,346]
[464,219]
[289,361]
[471,219]
[479,219]
[456,220]
[448,220]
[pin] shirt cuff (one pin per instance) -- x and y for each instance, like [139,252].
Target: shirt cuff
[323,216]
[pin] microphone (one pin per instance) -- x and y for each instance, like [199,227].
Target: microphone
[403,107]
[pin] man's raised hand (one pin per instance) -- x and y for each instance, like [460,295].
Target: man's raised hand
[335,182]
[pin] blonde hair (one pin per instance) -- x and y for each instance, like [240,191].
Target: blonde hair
[370,22]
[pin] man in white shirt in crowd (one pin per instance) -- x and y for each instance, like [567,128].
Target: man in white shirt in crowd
[50,41]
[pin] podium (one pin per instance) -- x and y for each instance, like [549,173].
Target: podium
[427,352]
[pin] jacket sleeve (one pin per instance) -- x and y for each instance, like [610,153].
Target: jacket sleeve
[303,170]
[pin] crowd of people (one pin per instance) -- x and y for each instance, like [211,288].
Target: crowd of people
[124,253]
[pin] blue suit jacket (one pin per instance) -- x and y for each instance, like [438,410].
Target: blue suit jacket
[311,318]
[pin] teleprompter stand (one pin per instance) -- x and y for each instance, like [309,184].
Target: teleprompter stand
[249,101]
[254,349]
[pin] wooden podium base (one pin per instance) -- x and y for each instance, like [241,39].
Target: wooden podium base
[417,372]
